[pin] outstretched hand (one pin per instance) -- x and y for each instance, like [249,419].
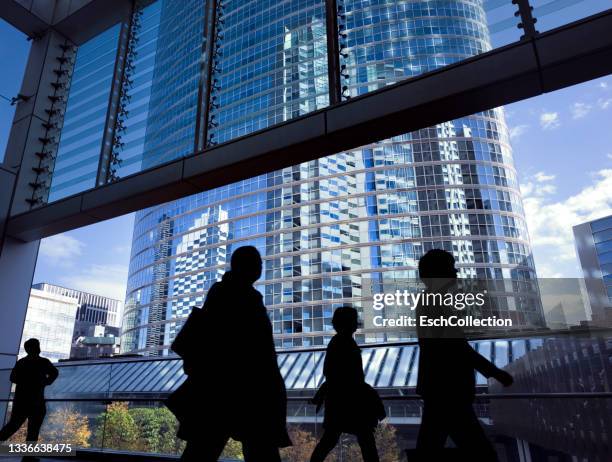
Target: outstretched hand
[504,378]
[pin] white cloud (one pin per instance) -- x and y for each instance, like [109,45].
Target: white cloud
[122,250]
[541,177]
[603,85]
[550,120]
[106,280]
[550,221]
[580,110]
[604,103]
[60,250]
[609,155]
[517,131]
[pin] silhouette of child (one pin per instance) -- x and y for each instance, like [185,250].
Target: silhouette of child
[351,405]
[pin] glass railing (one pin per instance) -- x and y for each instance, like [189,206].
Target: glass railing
[568,426]
[559,405]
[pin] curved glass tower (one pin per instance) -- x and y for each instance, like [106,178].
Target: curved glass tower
[325,227]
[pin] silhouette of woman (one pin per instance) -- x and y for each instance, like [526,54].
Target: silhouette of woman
[351,405]
[234,388]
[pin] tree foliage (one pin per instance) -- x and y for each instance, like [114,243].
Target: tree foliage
[116,428]
[233,450]
[66,425]
[386,443]
[157,429]
[63,425]
[304,443]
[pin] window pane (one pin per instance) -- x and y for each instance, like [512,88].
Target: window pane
[271,65]
[78,155]
[160,99]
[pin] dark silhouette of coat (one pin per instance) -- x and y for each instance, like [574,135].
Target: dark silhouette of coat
[351,405]
[446,381]
[234,384]
[447,361]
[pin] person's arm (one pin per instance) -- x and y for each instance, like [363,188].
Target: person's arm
[487,368]
[51,373]
[15,374]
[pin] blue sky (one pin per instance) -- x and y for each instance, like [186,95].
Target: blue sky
[562,147]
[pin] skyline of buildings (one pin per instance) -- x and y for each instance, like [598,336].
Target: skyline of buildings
[68,322]
[326,227]
[93,309]
[50,319]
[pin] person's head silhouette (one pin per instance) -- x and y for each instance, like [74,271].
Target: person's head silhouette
[437,268]
[32,347]
[345,320]
[246,264]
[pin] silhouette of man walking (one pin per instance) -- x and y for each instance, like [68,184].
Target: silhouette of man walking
[31,375]
[446,381]
[234,388]
[351,405]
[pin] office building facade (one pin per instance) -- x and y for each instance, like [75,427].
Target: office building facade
[93,310]
[593,241]
[100,342]
[50,319]
[327,227]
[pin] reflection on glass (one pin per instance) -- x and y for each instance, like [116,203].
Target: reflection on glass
[384,42]
[78,155]
[325,226]
[555,13]
[160,95]
[271,65]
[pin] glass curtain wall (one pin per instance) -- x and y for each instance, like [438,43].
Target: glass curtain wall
[78,154]
[325,227]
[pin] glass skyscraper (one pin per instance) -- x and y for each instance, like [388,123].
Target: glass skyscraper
[328,226]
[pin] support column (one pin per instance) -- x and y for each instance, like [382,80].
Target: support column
[19,177]
[17,264]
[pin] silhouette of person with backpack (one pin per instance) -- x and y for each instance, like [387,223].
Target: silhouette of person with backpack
[234,388]
[351,405]
[446,376]
[31,375]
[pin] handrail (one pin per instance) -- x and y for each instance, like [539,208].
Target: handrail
[411,397]
[581,330]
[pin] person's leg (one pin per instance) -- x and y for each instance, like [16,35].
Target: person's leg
[255,451]
[433,430]
[35,421]
[208,449]
[15,422]
[469,436]
[367,443]
[325,446]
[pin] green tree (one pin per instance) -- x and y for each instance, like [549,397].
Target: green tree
[157,429]
[116,429]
